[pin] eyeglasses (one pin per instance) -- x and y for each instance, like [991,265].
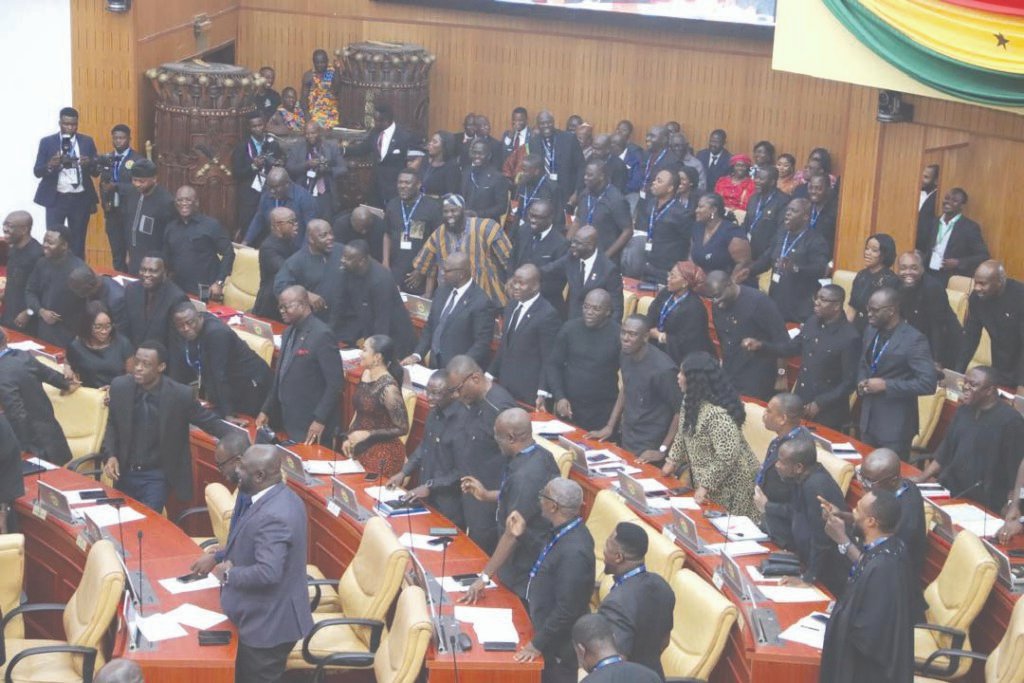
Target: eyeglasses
[867,483]
[454,391]
[289,306]
[225,463]
[102,326]
[541,496]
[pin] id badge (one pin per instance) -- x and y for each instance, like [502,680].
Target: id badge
[311,173]
[405,245]
[648,245]
[643,194]
[553,177]
[257,182]
[147,225]
[776,276]
[115,199]
[417,230]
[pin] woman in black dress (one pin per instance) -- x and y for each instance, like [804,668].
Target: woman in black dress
[879,256]
[677,316]
[439,171]
[718,243]
[98,354]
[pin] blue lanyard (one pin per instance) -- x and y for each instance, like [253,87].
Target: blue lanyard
[902,489]
[814,216]
[5,352]
[592,204]
[786,248]
[607,661]
[655,217]
[647,169]
[535,569]
[472,178]
[773,447]
[529,200]
[118,160]
[667,308]
[864,553]
[875,357]
[549,154]
[255,147]
[407,217]
[619,580]
[760,207]
[197,365]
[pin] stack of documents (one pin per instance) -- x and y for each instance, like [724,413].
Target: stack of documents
[677,502]
[973,519]
[107,515]
[739,548]
[739,528]
[345,466]
[491,624]
[168,625]
[419,375]
[551,427]
[810,630]
[174,587]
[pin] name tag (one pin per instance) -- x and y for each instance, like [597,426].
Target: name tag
[257,182]
[553,176]
[648,245]
[311,173]
[776,276]
[417,230]
[333,508]
[643,194]
[39,511]
[405,245]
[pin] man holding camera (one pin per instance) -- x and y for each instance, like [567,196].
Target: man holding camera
[63,165]
[251,160]
[114,171]
[316,166]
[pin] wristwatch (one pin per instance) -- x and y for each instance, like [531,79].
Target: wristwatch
[485,577]
[663,448]
[227,572]
[843,547]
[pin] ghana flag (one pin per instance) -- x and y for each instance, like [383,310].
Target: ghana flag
[972,49]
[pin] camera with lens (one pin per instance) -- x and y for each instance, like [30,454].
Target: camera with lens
[67,152]
[105,164]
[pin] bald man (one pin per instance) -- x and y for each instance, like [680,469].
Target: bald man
[279,190]
[197,248]
[362,224]
[23,251]
[997,306]
[585,268]
[263,575]
[315,266]
[563,156]
[274,251]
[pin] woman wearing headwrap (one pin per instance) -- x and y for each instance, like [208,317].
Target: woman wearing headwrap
[677,316]
[737,188]
[879,256]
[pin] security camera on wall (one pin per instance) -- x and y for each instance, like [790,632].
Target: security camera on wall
[119,6]
[892,108]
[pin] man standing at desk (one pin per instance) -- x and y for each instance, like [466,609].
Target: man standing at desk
[997,306]
[197,248]
[263,576]
[23,251]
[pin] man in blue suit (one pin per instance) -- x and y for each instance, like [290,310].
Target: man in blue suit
[263,575]
[63,165]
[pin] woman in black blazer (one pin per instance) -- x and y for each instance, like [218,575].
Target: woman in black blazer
[677,316]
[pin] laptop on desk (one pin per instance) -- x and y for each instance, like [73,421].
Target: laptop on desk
[261,328]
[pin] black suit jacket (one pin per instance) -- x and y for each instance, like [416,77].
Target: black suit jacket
[177,408]
[604,275]
[719,169]
[908,371]
[926,222]
[519,364]
[568,159]
[46,192]
[468,329]
[385,171]
[364,305]
[28,408]
[794,288]
[762,226]
[965,243]
[927,308]
[640,611]
[541,254]
[272,255]
[307,381]
[157,324]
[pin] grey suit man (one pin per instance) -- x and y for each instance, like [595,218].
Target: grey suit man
[263,575]
[895,368]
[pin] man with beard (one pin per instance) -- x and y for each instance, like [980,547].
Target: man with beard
[148,208]
[603,206]
[539,242]
[411,217]
[226,457]
[23,252]
[48,295]
[997,306]
[315,267]
[149,301]
[924,304]
[926,204]
[197,247]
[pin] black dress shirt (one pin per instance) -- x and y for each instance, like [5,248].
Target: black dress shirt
[927,308]
[198,251]
[669,230]
[796,263]
[437,181]
[48,289]
[144,453]
[652,398]
[607,211]
[486,191]
[434,461]
[318,273]
[685,323]
[145,220]
[864,285]
[1003,317]
[345,233]
[98,367]
[20,263]
[753,314]
[640,611]
[421,217]
[274,251]
[764,220]
[583,367]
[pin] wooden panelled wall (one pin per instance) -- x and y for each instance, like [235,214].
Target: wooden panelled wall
[491,63]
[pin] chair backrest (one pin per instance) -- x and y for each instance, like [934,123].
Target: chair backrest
[929,409]
[12,574]
[399,658]
[409,396]
[841,470]
[261,346]
[960,590]
[643,304]
[629,304]
[844,278]
[372,579]
[607,512]
[983,355]
[94,603]
[1006,663]
[701,623]
[83,417]
[561,454]
[241,287]
[960,283]
[663,558]
[754,430]
[764,281]
[958,302]
[220,504]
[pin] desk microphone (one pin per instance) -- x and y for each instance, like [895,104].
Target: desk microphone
[380,486]
[970,488]
[445,541]
[117,503]
[141,590]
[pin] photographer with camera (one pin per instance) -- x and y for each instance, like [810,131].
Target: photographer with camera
[148,208]
[316,166]
[63,165]
[251,160]
[114,171]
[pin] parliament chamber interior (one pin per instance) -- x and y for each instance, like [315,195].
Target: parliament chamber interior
[515,340]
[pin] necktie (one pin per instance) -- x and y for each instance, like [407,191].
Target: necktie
[714,159]
[380,145]
[583,271]
[513,322]
[435,338]
[242,504]
[449,305]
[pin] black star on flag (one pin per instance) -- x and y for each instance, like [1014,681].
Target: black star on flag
[1001,40]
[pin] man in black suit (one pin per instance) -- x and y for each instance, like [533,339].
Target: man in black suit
[658,157]
[316,166]
[802,528]
[530,326]
[594,642]
[895,369]
[23,251]
[603,206]
[114,171]
[388,144]
[231,376]
[64,165]
[924,304]
[361,224]
[263,587]
[585,269]
[251,160]
[539,243]
[997,306]
[715,157]
[316,267]
[197,247]
[954,244]
[27,406]
[88,286]
[149,301]
[926,202]
[367,302]
[48,296]
[765,212]
[308,379]
[146,446]
[562,579]
[148,209]
[563,157]
[614,167]
[273,253]
[485,189]
[12,481]
[461,319]
[640,603]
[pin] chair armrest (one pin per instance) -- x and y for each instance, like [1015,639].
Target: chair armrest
[352,660]
[189,512]
[928,663]
[317,593]
[958,638]
[32,607]
[88,659]
[377,628]
[208,543]
[95,458]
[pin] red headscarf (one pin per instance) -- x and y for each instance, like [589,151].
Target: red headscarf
[691,273]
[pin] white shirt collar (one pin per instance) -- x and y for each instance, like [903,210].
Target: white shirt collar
[526,305]
[544,235]
[257,496]
[461,291]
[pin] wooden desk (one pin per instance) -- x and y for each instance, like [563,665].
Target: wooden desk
[55,560]
[55,352]
[333,542]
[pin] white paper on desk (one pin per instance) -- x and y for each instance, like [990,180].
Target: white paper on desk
[793,332]
[195,616]
[450,585]
[652,485]
[174,587]
[39,462]
[551,427]
[793,594]
[982,528]
[419,374]
[491,624]
[472,615]
[739,528]
[740,548]
[808,631]
[27,345]
[107,515]
[933,491]
[419,542]
[75,497]
[157,627]
[351,355]
[345,466]
[840,447]
[383,493]
[678,502]
[758,577]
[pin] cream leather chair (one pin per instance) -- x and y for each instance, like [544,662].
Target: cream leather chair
[643,304]
[1006,662]
[983,355]
[83,417]
[608,510]
[841,470]
[561,454]
[663,558]
[241,287]
[12,575]
[958,302]
[87,617]
[701,623]
[409,396]
[929,410]
[366,589]
[961,283]
[754,430]
[399,656]
[261,346]
[954,599]
[629,304]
